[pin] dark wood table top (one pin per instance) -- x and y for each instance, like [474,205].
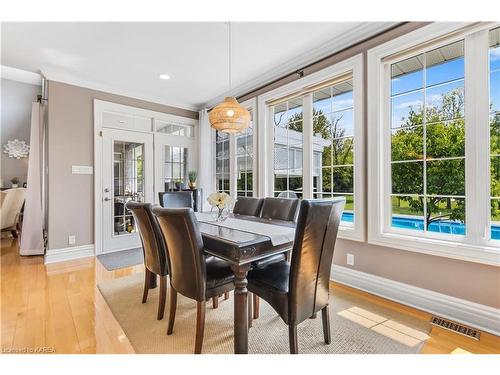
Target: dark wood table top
[241,247]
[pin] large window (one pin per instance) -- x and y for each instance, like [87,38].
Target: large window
[222,161]
[288,140]
[434,142]
[494,81]
[333,144]
[428,141]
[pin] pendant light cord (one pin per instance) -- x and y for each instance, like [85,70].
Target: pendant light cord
[229,54]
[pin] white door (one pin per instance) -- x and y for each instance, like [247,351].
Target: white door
[127,174]
[173,158]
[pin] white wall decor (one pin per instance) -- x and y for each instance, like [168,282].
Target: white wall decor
[16,149]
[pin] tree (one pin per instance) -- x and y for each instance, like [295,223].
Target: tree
[444,137]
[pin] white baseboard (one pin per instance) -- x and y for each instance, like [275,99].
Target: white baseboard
[69,253]
[483,317]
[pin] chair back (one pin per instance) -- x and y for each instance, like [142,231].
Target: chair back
[288,194]
[248,206]
[153,244]
[280,208]
[312,256]
[11,204]
[185,249]
[176,199]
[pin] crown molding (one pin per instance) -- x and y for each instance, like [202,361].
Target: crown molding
[19,75]
[346,39]
[71,79]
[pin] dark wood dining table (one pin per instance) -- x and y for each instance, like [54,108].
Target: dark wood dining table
[241,248]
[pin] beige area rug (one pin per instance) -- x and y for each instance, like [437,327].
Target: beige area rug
[357,325]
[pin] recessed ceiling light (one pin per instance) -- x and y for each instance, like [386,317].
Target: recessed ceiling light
[164,76]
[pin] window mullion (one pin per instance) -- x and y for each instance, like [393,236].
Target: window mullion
[477,137]
[232,166]
[307,146]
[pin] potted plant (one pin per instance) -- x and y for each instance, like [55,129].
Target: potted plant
[179,185]
[15,182]
[192,176]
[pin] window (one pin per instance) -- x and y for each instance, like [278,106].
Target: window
[288,121]
[494,112]
[333,145]
[428,141]
[234,159]
[222,161]
[311,128]
[244,162]
[432,125]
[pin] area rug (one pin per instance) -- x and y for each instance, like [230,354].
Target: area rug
[122,259]
[357,326]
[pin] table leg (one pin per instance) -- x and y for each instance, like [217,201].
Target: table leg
[152,281]
[240,309]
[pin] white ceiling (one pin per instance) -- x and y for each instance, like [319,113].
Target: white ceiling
[126,58]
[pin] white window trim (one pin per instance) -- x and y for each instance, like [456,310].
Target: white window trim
[266,140]
[474,246]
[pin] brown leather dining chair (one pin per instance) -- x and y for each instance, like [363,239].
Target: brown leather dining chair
[277,209]
[300,289]
[248,206]
[192,274]
[155,252]
[176,199]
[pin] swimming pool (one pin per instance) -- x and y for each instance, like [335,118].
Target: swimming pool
[444,226]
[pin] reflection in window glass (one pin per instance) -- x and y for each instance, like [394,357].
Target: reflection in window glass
[333,145]
[288,117]
[222,161]
[428,141]
[494,72]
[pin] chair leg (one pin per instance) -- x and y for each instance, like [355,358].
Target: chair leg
[226,295]
[255,306]
[173,307]
[215,302]
[147,278]
[200,326]
[292,337]
[325,315]
[250,309]
[313,316]
[163,297]
[14,233]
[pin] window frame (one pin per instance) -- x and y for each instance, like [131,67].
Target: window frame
[475,245]
[354,66]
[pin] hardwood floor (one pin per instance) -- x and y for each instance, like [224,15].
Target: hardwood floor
[58,309]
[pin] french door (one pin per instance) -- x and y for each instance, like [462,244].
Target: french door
[127,175]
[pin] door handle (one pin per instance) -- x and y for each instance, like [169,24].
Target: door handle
[106,190]
[107,199]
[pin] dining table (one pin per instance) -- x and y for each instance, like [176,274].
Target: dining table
[241,240]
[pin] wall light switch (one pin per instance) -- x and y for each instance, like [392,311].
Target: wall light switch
[71,240]
[350,259]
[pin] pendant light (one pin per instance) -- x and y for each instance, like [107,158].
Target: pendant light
[229,116]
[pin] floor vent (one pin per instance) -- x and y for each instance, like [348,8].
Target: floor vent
[456,327]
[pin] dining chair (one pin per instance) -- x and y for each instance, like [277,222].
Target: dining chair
[154,249]
[248,206]
[183,199]
[192,274]
[176,199]
[11,203]
[299,289]
[287,194]
[277,209]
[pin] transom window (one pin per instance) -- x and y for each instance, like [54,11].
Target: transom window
[428,141]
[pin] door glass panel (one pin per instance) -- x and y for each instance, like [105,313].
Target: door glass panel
[175,176]
[128,183]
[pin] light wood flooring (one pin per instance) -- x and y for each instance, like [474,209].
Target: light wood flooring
[57,308]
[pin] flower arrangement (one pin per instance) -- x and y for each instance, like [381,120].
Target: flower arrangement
[222,202]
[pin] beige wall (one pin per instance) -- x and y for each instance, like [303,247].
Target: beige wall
[16,122]
[71,142]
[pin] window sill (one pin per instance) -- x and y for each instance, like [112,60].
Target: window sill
[350,232]
[484,254]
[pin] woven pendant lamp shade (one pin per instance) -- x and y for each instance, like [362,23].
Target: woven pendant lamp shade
[229,116]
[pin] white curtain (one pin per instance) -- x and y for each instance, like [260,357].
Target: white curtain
[32,230]
[205,158]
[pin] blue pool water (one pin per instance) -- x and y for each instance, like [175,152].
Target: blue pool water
[445,226]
